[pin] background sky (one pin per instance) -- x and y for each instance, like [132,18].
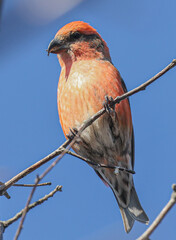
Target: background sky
[141,36]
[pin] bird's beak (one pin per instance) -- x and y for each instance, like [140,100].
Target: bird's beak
[55,46]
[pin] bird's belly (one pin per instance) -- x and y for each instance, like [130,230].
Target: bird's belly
[103,140]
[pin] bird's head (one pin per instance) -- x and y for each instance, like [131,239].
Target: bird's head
[78,40]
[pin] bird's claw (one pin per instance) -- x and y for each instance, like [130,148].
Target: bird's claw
[72,133]
[110,109]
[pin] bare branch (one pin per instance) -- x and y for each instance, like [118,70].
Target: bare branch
[26,209]
[147,83]
[30,169]
[87,123]
[32,185]
[5,224]
[5,192]
[23,185]
[157,221]
[35,204]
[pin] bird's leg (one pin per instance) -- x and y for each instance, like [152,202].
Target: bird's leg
[108,107]
[72,133]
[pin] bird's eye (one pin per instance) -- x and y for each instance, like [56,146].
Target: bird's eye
[75,35]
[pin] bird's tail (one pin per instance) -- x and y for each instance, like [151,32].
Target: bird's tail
[123,188]
[133,212]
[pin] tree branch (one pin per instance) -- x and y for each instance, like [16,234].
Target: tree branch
[30,169]
[87,123]
[35,204]
[5,224]
[157,221]
[23,185]
[28,185]
[26,209]
[32,185]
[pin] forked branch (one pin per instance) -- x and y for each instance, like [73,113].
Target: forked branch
[5,224]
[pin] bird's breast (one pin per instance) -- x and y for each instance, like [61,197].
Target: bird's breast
[81,95]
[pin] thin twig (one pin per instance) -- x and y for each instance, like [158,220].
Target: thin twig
[30,169]
[32,185]
[98,165]
[5,193]
[40,201]
[157,221]
[26,209]
[23,185]
[87,123]
[28,185]
[147,83]
[38,179]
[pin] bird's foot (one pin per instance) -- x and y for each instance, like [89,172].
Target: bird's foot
[72,133]
[110,109]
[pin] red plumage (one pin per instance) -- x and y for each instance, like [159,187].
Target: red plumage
[87,76]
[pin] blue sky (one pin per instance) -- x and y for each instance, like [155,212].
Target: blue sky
[141,36]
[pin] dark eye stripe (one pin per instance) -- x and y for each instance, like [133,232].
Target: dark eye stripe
[77,36]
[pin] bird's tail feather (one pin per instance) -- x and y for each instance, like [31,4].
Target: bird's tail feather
[133,212]
[127,200]
[128,221]
[135,209]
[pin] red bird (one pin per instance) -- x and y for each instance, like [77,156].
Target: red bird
[87,77]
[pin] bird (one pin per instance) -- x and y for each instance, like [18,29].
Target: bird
[88,81]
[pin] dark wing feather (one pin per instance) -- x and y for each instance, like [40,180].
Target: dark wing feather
[132,139]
